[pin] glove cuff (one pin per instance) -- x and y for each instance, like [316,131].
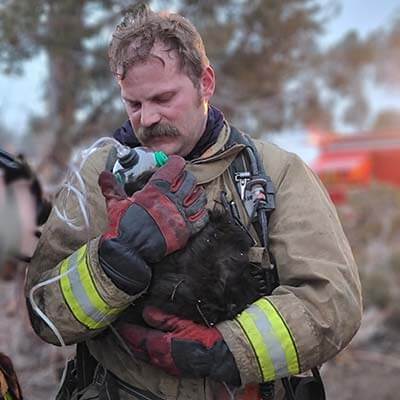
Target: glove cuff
[128,271]
[216,362]
[224,368]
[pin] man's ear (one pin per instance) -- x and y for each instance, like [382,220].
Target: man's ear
[207,83]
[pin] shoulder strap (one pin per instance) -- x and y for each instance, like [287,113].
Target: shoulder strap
[257,192]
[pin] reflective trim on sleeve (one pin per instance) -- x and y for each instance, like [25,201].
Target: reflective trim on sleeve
[271,340]
[80,292]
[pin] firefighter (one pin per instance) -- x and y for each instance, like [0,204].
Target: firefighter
[166,84]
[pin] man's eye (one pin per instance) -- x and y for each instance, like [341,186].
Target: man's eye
[133,105]
[164,99]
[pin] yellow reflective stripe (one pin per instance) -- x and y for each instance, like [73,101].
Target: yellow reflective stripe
[271,340]
[283,334]
[88,283]
[257,342]
[81,294]
[73,303]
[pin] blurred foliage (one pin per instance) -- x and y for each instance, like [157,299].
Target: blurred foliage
[257,48]
[354,62]
[5,135]
[260,49]
[386,121]
[371,220]
[80,93]
[394,318]
[271,72]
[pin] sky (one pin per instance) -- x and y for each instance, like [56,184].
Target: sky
[22,96]
[364,16]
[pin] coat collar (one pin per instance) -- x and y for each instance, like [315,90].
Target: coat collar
[216,159]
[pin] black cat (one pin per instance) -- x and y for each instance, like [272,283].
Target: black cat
[210,280]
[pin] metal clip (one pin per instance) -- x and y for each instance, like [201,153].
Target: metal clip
[242,178]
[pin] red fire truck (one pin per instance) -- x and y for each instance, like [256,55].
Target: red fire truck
[348,161]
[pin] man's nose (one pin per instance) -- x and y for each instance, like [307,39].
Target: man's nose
[149,116]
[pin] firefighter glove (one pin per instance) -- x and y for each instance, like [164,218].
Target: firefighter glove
[181,347]
[152,223]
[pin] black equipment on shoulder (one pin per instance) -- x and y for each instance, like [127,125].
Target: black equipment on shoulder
[257,192]
[15,168]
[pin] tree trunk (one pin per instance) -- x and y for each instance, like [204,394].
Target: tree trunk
[65,52]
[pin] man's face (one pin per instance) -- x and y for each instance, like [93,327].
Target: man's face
[166,110]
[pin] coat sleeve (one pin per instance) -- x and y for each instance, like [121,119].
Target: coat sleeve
[65,284]
[317,308]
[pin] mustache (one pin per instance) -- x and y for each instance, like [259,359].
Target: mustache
[146,134]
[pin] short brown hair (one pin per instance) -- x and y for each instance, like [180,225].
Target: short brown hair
[139,30]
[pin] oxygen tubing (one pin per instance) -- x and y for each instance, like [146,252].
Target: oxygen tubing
[74,185]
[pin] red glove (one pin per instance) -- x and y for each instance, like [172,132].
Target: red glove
[181,347]
[160,218]
[154,222]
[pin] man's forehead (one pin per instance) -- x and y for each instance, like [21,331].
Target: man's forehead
[143,81]
[160,52]
[161,66]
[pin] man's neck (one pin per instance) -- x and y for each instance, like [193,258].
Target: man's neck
[213,126]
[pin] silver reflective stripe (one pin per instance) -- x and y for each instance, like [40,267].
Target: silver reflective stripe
[79,291]
[275,349]
[270,338]
[81,294]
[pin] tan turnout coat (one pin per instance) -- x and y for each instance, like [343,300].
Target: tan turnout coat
[319,296]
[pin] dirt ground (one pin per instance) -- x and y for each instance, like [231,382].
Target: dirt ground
[361,379]
[369,369]
[37,364]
